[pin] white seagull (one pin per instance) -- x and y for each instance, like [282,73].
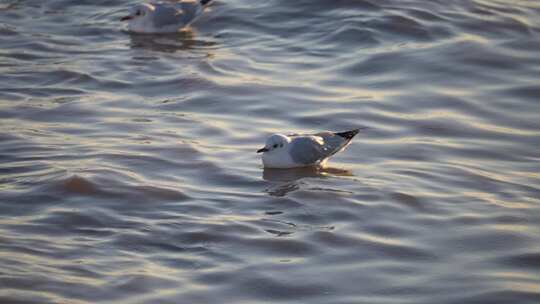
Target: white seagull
[164,16]
[303,150]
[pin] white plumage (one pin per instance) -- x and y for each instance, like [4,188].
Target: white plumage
[164,16]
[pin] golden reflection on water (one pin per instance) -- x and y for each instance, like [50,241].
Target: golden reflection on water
[513,227]
[535,175]
[424,115]
[380,239]
[471,167]
[354,95]
[501,129]
[524,287]
[492,199]
[510,280]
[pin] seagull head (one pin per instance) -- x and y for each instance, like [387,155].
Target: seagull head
[274,143]
[139,12]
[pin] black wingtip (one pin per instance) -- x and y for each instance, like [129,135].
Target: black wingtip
[205,2]
[348,134]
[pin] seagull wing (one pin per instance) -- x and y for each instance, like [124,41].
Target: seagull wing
[336,142]
[313,148]
[307,150]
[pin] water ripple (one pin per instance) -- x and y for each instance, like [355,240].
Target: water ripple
[128,170]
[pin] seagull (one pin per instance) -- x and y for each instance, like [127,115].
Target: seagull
[303,150]
[164,16]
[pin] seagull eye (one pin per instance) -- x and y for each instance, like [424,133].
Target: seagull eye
[275,146]
[138,13]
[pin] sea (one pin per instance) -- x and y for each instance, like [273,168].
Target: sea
[129,172]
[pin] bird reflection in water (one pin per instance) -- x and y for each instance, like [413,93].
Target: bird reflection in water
[289,180]
[169,43]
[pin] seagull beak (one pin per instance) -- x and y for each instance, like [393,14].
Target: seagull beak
[262,150]
[126,18]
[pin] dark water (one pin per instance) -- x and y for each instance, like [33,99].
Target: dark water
[128,172]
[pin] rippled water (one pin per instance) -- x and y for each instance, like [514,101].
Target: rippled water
[128,171]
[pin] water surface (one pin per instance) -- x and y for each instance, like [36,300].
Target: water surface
[128,171]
